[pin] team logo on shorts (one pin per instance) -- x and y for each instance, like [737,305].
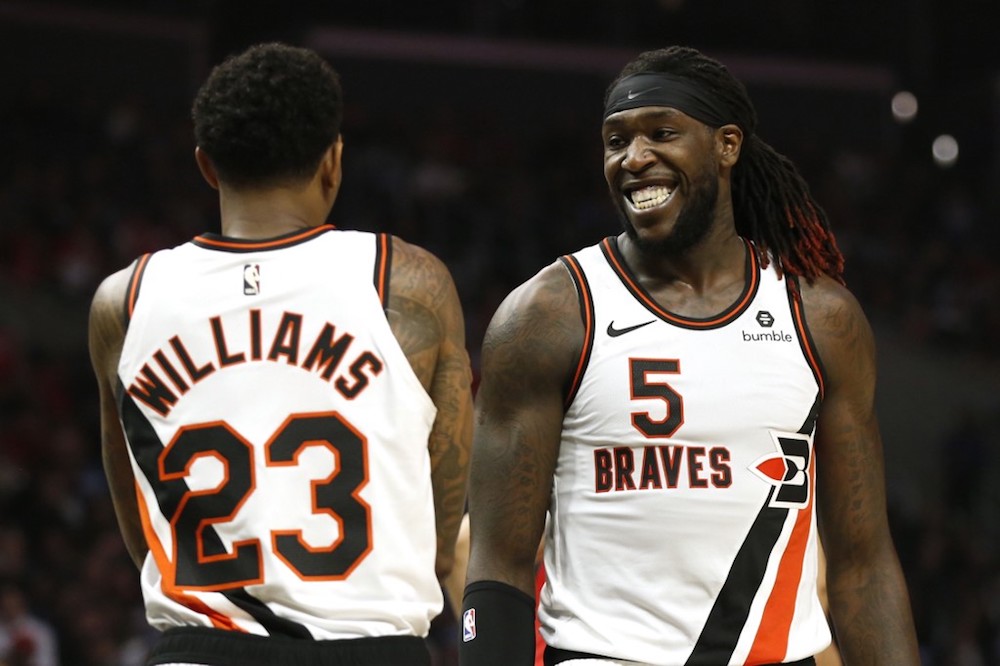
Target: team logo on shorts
[787,469]
[469,625]
[251,279]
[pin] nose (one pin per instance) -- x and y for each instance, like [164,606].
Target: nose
[637,155]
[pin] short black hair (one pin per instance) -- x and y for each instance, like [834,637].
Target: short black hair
[267,115]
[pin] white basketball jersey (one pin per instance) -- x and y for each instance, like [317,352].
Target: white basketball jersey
[278,437]
[682,519]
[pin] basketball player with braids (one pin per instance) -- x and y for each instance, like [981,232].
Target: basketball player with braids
[682,410]
[286,406]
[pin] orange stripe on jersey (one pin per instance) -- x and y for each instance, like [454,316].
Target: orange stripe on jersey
[771,642]
[587,312]
[382,268]
[263,245]
[166,568]
[639,292]
[133,284]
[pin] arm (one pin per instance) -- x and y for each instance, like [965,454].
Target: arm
[869,603]
[107,330]
[426,317]
[529,354]
[454,583]
[831,655]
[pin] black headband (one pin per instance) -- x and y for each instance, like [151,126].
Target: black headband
[661,89]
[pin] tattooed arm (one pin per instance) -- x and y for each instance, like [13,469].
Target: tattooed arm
[426,317]
[107,330]
[867,593]
[529,353]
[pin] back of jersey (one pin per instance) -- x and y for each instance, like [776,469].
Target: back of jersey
[278,437]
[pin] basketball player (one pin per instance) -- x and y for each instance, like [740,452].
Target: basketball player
[691,402]
[286,406]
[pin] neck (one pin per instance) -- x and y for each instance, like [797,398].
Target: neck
[716,261]
[268,213]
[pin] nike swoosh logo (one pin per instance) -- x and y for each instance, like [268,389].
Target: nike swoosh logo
[615,332]
[633,95]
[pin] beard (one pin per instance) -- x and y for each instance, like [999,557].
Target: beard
[691,227]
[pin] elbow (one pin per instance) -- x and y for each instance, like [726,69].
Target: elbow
[444,564]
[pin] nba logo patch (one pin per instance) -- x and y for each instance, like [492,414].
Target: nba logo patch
[468,625]
[251,279]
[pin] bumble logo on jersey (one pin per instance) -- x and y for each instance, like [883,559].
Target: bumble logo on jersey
[766,320]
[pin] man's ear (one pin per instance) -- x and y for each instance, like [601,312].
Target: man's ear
[730,144]
[206,167]
[331,171]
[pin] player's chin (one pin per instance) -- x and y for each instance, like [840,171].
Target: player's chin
[652,228]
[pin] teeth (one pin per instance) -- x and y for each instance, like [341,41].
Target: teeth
[651,196]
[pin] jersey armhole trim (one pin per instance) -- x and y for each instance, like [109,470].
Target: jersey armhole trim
[383,265]
[134,283]
[587,317]
[806,342]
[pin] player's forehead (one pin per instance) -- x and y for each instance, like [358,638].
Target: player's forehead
[645,114]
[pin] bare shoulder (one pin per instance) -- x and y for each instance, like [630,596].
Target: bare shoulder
[537,331]
[838,325]
[545,301]
[826,298]
[107,320]
[424,310]
[418,274]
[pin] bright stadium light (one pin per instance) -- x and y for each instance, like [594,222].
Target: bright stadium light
[904,106]
[945,150]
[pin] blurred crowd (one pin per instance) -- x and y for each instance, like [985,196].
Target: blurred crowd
[87,184]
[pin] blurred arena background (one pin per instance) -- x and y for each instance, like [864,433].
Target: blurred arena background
[473,128]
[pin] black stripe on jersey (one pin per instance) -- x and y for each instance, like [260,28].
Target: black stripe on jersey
[587,316]
[732,607]
[258,610]
[725,622]
[146,447]
[810,422]
[383,264]
[214,241]
[806,342]
[615,259]
[142,438]
[134,283]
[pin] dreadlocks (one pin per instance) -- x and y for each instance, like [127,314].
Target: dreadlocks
[771,200]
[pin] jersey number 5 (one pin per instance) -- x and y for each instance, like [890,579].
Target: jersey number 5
[644,389]
[202,561]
